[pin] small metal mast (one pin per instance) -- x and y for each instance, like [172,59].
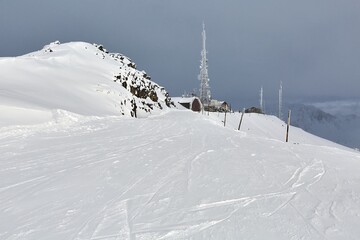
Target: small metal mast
[205,94]
[261,99]
[280,100]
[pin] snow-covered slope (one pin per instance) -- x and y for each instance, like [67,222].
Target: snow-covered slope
[72,167]
[180,175]
[78,77]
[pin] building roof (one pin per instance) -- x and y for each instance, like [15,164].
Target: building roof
[184,99]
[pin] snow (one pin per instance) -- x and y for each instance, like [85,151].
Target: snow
[75,77]
[76,173]
[178,101]
[179,175]
[343,129]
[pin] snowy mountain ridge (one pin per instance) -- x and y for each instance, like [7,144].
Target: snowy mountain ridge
[77,77]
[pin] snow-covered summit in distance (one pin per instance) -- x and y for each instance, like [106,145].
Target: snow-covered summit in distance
[338,125]
[78,77]
[72,167]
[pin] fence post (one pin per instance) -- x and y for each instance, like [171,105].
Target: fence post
[288,126]
[225,119]
[242,115]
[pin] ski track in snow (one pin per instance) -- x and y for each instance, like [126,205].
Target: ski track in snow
[161,178]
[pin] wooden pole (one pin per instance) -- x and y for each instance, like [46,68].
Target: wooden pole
[288,126]
[242,115]
[225,119]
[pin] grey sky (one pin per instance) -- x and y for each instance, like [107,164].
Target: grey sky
[313,46]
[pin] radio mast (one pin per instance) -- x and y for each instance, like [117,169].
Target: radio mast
[261,99]
[205,94]
[280,100]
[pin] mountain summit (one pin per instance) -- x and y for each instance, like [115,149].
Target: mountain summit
[78,77]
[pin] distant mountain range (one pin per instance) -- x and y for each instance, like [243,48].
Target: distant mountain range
[335,121]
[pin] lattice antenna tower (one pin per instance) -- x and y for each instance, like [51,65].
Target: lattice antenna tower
[205,94]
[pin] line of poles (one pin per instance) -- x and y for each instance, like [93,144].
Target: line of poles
[242,117]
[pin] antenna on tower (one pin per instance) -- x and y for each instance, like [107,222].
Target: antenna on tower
[280,100]
[205,94]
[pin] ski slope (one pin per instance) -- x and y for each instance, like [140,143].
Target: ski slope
[178,175]
[74,164]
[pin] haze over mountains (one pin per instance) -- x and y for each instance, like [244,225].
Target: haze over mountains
[340,124]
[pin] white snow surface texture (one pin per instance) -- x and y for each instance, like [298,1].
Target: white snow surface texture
[72,168]
[77,77]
